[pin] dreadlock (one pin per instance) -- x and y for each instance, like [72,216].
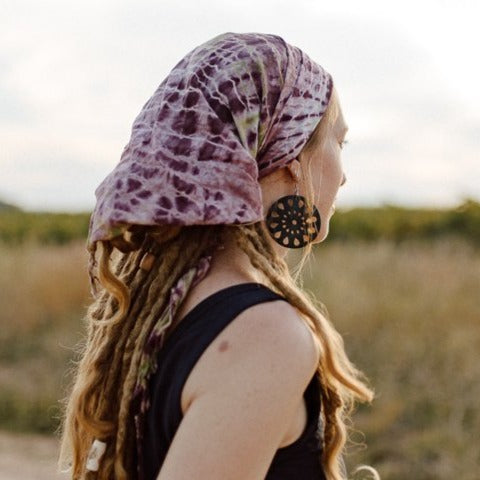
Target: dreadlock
[118,322]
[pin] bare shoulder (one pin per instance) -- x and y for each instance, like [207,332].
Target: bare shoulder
[253,375]
[278,327]
[269,333]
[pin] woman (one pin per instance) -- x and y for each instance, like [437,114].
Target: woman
[204,357]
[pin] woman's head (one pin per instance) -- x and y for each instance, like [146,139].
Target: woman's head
[232,111]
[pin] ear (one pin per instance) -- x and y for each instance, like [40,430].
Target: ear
[294,169]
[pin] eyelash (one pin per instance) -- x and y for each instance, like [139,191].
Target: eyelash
[343,143]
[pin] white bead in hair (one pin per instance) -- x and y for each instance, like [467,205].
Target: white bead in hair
[96,451]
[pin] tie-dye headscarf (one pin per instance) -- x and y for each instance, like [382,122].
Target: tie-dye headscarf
[230,112]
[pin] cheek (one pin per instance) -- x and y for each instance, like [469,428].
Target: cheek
[335,166]
[328,177]
[327,183]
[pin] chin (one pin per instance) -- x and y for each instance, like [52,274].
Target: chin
[324,227]
[322,234]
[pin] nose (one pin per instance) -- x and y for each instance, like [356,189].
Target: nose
[344,179]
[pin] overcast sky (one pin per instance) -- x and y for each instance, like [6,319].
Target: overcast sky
[74,75]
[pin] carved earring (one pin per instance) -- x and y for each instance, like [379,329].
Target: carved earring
[288,221]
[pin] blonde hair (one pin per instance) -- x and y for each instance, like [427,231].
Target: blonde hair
[146,263]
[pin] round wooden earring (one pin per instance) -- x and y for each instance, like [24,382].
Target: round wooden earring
[289,224]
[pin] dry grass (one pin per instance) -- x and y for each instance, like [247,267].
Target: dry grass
[409,314]
[43,293]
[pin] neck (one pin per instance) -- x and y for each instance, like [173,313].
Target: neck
[232,263]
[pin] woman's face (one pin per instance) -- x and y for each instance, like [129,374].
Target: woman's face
[327,172]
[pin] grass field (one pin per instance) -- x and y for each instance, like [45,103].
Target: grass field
[409,314]
[410,317]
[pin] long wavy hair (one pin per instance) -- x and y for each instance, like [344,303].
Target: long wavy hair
[136,272]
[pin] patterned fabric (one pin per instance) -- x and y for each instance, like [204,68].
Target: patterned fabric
[231,111]
[148,361]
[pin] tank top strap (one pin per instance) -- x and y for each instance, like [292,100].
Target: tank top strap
[182,349]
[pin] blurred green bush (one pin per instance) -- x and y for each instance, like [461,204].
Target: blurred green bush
[398,223]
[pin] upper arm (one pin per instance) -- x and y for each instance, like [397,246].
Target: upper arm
[233,428]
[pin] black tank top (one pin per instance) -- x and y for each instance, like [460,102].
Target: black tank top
[186,343]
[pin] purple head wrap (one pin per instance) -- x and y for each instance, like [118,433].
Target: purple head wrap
[231,111]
